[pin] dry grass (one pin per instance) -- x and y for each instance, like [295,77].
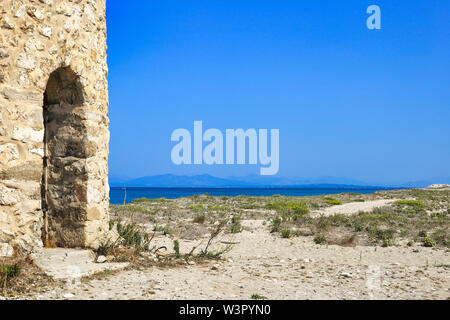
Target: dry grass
[28,278]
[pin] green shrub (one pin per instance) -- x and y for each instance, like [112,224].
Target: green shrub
[197,207]
[332,201]
[140,200]
[428,242]
[386,243]
[276,222]
[165,230]
[288,207]
[132,236]
[422,234]
[199,218]
[176,247]
[236,224]
[320,239]
[286,233]
[9,271]
[411,203]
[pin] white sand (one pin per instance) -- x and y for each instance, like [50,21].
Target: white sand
[353,207]
[265,264]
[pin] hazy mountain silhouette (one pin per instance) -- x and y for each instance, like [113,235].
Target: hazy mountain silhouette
[206,180]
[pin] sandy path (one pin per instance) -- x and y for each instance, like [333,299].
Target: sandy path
[296,268]
[353,207]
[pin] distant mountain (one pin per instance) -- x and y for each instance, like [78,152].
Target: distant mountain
[117,181]
[206,180]
[170,180]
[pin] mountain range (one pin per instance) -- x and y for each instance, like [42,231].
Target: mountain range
[206,180]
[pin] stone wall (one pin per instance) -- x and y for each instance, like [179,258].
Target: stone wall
[53,123]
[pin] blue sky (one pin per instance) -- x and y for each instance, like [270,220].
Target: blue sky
[372,105]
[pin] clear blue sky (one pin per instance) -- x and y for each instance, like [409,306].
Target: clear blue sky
[366,104]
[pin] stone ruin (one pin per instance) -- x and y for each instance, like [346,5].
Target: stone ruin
[54,133]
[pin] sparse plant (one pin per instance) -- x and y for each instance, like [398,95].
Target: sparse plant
[258,297]
[205,253]
[164,229]
[236,224]
[276,222]
[319,239]
[8,272]
[428,242]
[199,218]
[332,201]
[411,203]
[286,233]
[422,234]
[176,248]
[131,235]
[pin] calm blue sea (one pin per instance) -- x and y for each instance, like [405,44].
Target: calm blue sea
[117,194]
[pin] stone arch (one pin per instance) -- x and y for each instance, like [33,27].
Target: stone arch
[64,178]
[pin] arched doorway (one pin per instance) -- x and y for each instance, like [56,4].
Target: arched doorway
[64,176]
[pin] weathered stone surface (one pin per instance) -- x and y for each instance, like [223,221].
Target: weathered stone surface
[9,196]
[53,123]
[26,61]
[72,264]
[27,134]
[27,171]
[8,152]
[6,250]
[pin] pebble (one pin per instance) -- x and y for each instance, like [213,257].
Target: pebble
[68,295]
[101,259]
[346,275]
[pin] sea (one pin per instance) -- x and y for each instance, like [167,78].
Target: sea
[117,194]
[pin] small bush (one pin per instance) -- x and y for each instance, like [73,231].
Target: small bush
[176,247]
[9,271]
[276,222]
[319,239]
[286,233]
[384,235]
[332,201]
[132,236]
[140,200]
[165,230]
[197,207]
[386,243]
[236,224]
[411,203]
[199,218]
[288,207]
[422,234]
[428,242]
